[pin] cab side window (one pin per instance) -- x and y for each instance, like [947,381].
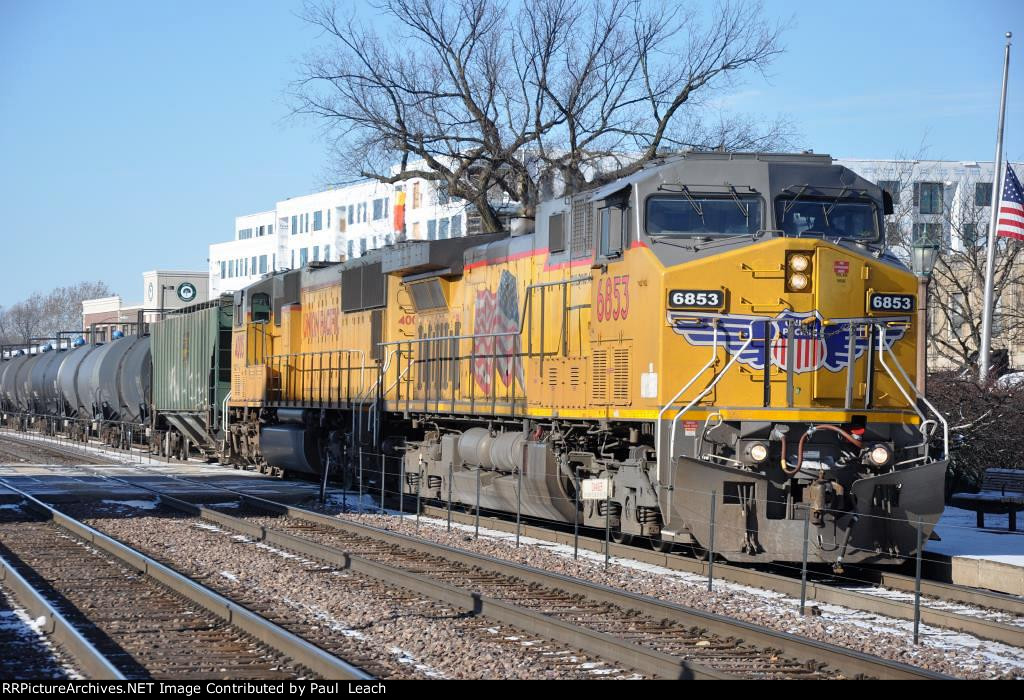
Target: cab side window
[260,308]
[613,231]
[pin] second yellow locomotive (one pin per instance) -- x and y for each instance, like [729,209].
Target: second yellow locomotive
[717,336]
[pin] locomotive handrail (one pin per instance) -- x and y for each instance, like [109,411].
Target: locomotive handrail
[449,337]
[921,397]
[693,402]
[277,360]
[657,424]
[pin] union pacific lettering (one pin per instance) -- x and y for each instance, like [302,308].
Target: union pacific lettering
[320,323]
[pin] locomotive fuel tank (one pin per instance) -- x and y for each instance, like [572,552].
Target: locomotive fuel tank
[497,460]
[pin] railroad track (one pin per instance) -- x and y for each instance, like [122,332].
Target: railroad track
[655,637]
[120,614]
[819,592]
[937,597]
[1000,617]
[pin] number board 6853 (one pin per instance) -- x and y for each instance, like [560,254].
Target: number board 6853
[696,299]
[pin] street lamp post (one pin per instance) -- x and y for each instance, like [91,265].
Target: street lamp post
[925,254]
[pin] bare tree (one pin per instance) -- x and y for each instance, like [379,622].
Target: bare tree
[958,283]
[960,229]
[44,315]
[495,101]
[23,320]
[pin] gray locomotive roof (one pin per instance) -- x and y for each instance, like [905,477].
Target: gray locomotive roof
[771,174]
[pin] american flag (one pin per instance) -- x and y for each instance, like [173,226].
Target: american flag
[1011,208]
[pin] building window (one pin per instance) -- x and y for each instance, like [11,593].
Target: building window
[328,218]
[318,220]
[253,268]
[327,253]
[223,269]
[928,197]
[362,246]
[432,230]
[892,187]
[231,269]
[273,262]
[263,264]
[982,194]
[293,259]
[442,229]
[295,225]
[417,195]
[928,233]
[378,209]
[969,235]
[456,225]
[442,194]
[316,253]
[244,234]
[416,231]
[303,257]
[270,229]
[351,214]
[363,209]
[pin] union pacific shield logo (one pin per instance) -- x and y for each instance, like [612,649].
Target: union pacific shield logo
[814,345]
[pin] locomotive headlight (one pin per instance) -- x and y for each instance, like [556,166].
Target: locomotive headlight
[758,452]
[880,455]
[799,263]
[798,281]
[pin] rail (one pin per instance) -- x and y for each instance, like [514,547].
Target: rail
[285,642]
[643,658]
[91,660]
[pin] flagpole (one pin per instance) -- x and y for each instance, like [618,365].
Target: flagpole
[990,258]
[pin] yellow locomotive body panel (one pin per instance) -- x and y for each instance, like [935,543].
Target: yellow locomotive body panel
[774,368]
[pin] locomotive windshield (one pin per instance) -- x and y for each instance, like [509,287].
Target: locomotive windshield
[854,219]
[686,215]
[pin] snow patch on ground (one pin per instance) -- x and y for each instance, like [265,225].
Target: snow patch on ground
[961,538]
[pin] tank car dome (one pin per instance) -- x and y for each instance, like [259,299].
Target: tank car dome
[78,342]
[116,335]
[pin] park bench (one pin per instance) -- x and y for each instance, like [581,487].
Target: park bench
[1002,491]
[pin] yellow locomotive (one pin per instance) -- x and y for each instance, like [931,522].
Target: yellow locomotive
[717,336]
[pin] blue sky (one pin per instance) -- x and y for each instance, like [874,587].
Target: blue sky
[132,133]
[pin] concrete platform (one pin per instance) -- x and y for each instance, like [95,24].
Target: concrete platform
[991,558]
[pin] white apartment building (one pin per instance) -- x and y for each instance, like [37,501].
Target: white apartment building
[946,201]
[949,203]
[337,224]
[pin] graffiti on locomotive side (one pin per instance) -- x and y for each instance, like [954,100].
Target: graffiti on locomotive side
[320,323]
[496,317]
